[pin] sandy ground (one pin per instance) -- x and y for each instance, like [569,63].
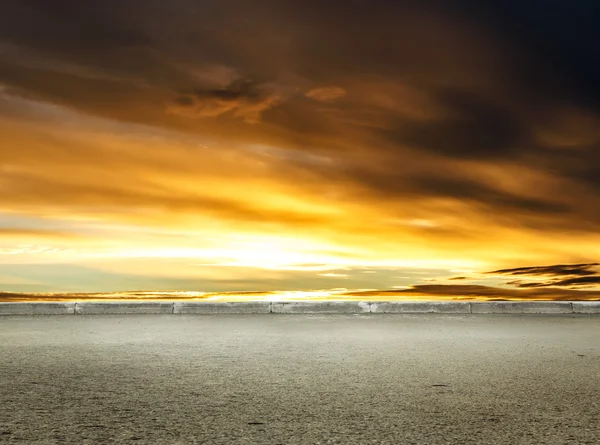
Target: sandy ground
[300,379]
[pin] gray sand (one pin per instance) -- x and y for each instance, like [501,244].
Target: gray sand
[300,379]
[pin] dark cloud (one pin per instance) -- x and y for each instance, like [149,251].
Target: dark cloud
[496,83]
[559,275]
[239,89]
[591,281]
[475,128]
[579,281]
[582,269]
[100,26]
[481,194]
[558,37]
[246,98]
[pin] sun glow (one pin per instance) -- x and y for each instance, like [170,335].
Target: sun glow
[259,252]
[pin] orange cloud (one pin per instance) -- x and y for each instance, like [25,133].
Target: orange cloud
[326,94]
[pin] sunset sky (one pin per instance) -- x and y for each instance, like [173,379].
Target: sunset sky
[421,147]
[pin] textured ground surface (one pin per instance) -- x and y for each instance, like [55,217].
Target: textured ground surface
[300,379]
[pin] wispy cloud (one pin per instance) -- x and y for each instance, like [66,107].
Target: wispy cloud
[326,94]
[558,275]
[244,98]
[554,270]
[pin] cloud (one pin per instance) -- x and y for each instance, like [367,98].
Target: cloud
[424,292]
[130,295]
[472,127]
[16,233]
[475,292]
[554,270]
[558,275]
[326,94]
[245,98]
[334,275]
[593,281]
[284,117]
[578,281]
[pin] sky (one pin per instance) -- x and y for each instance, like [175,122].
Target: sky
[380,147]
